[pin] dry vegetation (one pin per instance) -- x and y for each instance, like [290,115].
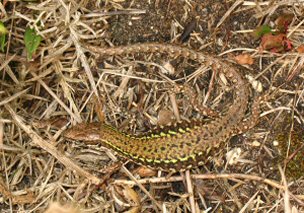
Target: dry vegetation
[40,98]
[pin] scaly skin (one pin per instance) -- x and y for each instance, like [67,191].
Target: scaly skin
[179,148]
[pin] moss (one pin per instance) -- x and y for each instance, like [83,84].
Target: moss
[294,159]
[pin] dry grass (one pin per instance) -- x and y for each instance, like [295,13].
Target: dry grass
[65,85]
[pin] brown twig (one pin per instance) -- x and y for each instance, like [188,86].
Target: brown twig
[232,176]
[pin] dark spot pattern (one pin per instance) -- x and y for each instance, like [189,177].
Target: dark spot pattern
[180,151]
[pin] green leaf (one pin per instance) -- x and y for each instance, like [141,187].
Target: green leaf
[260,31]
[2,42]
[3,30]
[32,41]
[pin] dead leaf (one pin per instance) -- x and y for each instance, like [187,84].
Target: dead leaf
[244,59]
[131,195]
[126,197]
[276,43]
[283,22]
[145,172]
[300,48]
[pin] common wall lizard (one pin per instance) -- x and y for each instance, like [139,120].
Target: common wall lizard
[181,147]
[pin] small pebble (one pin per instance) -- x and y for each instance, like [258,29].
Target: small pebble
[256,143]
[275,143]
